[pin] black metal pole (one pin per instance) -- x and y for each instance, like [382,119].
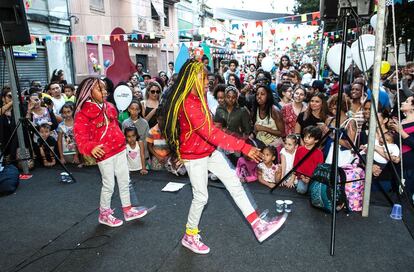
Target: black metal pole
[35,131]
[345,14]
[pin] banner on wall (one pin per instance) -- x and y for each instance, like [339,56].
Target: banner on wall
[25,51]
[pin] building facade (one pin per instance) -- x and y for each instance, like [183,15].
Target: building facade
[38,60]
[153,20]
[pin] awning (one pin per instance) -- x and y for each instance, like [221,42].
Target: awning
[237,14]
[159,7]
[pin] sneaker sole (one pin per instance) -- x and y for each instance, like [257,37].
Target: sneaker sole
[111,225]
[137,217]
[275,228]
[184,244]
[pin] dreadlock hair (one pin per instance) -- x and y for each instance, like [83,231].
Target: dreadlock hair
[186,80]
[84,92]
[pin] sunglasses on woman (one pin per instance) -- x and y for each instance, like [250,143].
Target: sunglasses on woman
[155,91]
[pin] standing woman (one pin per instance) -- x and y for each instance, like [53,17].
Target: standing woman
[357,101]
[285,93]
[231,117]
[151,102]
[285,66]
[7,125]
[317,112]
[406,129]
[260,57]
[267,119]
[59,77]
[291,111]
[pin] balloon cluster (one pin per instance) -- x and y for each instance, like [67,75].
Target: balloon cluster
[362,51]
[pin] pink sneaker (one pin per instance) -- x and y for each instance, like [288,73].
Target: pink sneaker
[106,217]
[135,213]
[263,229]
[193,243]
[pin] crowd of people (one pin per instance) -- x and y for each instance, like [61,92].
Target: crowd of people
[284,113]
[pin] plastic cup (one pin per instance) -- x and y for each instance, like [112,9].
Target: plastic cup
[288,205]
[280,204]
[396,212]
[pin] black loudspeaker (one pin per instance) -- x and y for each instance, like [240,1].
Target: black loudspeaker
[329,9]
[13,23]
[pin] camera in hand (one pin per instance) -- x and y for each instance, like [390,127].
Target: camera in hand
[47,101]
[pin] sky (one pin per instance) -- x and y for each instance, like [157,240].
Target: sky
[277,6]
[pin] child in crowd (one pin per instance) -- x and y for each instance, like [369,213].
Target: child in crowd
[160,151]
[135,157]
[47,157]
[135,151]
[157,145]
[380,154]
[287,156]
[268,171]
[69,93]
[97,134]
[137,120]
[66,140]
[311,136]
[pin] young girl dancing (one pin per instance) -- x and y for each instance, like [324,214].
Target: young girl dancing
[191,133]
[97,134]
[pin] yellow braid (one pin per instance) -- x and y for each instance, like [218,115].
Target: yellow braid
[195,68]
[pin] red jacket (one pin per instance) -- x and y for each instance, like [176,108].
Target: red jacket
[309,165]
[205,136]
[94,126]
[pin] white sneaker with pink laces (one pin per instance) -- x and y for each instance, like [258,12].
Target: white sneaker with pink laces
[106,217]
[193,243]
[135,213]
[264,229]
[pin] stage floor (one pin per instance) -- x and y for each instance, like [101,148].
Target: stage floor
[45,216]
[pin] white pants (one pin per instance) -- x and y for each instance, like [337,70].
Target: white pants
[115,166]
[198,172]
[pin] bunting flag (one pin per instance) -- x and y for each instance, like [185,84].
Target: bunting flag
[303,18]
[235,26]
[213,29]
[316,15]
[273,31]
[259,23]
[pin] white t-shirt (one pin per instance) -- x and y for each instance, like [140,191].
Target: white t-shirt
[393,148]
[212,103]
[307,79]
[58,104]
[134,158]
[289,159]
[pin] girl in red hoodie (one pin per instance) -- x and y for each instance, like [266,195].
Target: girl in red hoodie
[97,134]
[191,133]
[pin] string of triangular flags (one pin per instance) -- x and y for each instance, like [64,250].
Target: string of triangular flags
[312,18]
[141,40]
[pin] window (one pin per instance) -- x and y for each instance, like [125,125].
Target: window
[154,14]
[167,18]
[97,5]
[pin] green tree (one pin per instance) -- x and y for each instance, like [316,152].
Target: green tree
[306,6]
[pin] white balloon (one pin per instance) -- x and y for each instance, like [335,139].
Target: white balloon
[122,97]
[334,58]
[267,64]
[363,51]
[373,22]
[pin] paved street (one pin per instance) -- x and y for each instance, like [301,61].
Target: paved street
[45,216]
